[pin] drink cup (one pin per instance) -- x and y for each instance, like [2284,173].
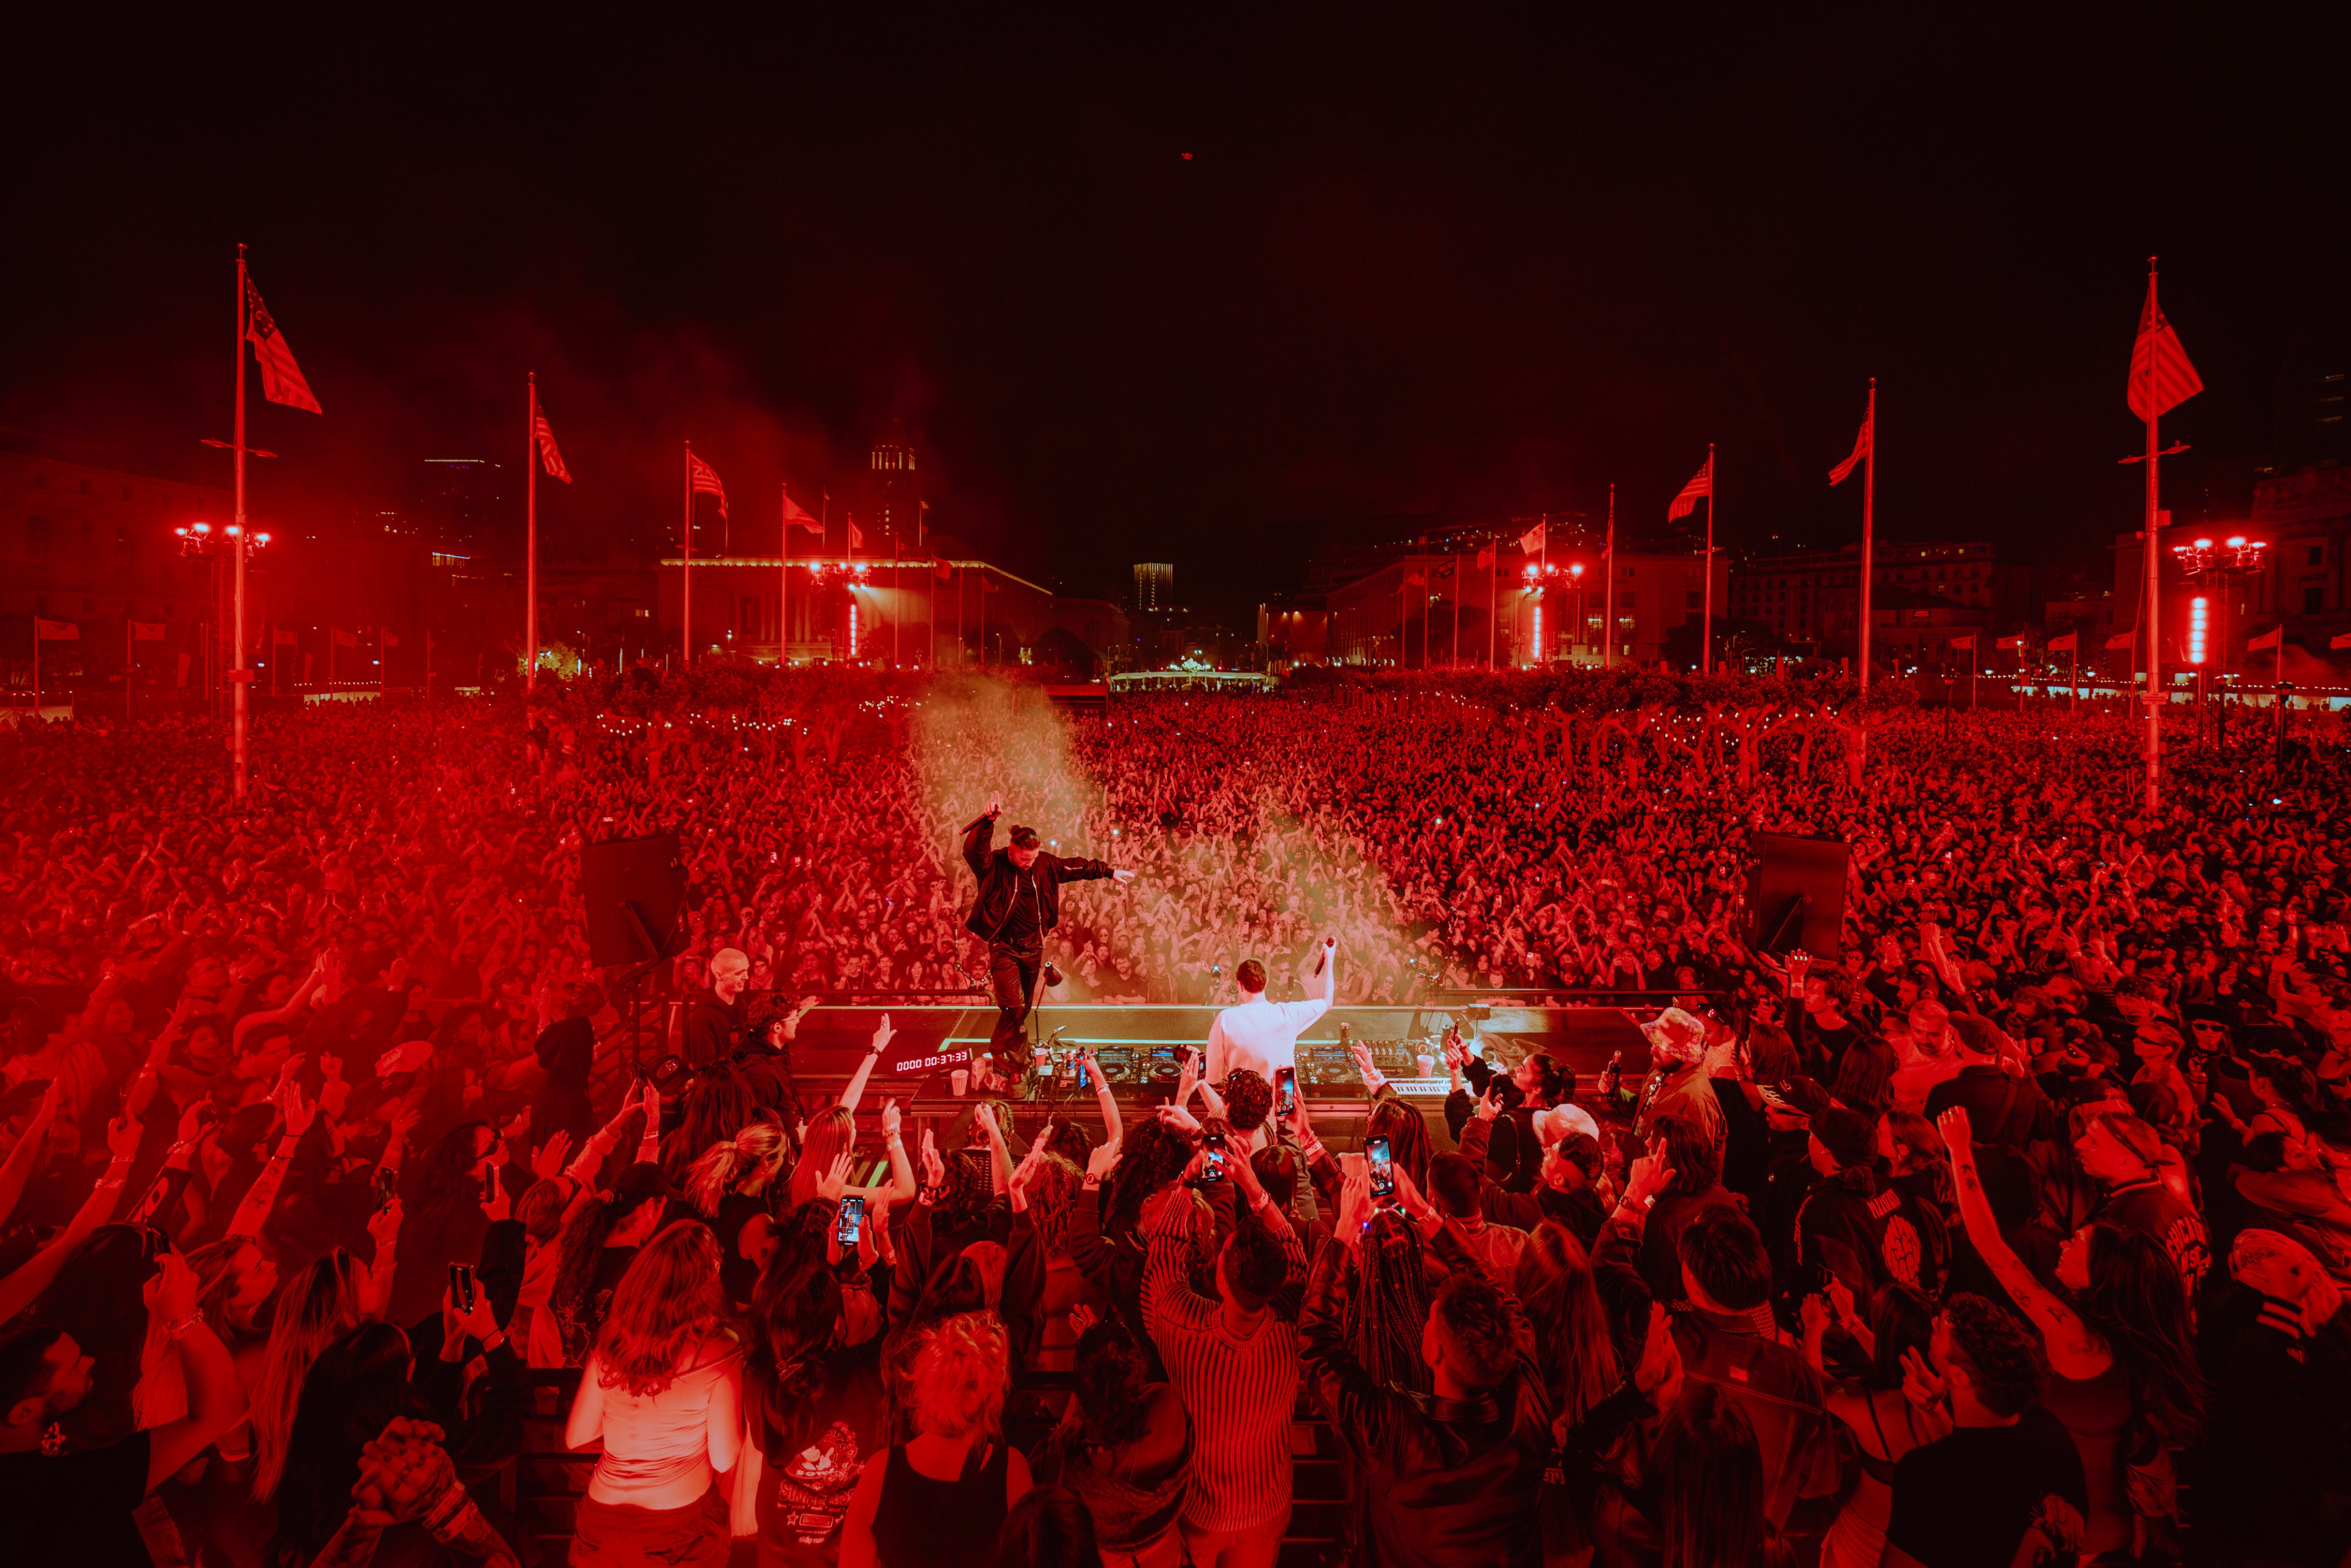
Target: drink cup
[961,1081]
[1427,1065]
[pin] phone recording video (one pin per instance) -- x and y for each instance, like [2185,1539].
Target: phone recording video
[1285,1091]
[1383,1167]
[461,1286]
[1212,1158]
[851,1220]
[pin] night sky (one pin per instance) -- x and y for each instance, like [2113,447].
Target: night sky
[1457,269]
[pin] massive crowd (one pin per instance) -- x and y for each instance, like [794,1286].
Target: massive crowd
[2014,1233]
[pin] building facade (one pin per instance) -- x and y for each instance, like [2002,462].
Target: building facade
[2304,521]
[1431,611]
[1813,597]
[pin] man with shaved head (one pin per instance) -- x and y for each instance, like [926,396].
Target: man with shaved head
[713,1029]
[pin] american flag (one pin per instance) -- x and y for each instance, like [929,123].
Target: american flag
[281,377]
[544,434]
[2161,379]
[1860,445]
[1701,484]
[705,481]
[798,516]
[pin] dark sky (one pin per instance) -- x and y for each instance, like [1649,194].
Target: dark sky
[1459,267]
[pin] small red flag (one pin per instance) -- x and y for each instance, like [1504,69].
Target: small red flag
[390,638]
[942,571]
[1421,578]
[1531,541]
[1701,484]
[2065,644]
[147,631]
[2011,642]
[281,377]
[2269,639]
[1967,642]
[2161,379]
[279,637]
[2340,640]
[1486,555]
[55,630]
[1861,449]
[705,481]
[349,639]
[2123,639]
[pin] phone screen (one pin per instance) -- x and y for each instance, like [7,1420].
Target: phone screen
[853,1219]
[1212,1158]
[1286,1086]
[387,1182]
[461,1285]
[1084,1081]
[1383,1167]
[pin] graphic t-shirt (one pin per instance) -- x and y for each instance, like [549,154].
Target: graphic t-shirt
[808,1477]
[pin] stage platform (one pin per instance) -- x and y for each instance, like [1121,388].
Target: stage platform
[1137,1046]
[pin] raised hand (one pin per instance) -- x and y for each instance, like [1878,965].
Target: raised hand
[552,1156]
[890,1119]
[383,1224]
[834,1180]
[1658,1374]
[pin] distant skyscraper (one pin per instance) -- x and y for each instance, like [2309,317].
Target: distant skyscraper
[1154,585]
[894,507]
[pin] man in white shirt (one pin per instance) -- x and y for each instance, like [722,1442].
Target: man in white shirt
[1262,1036]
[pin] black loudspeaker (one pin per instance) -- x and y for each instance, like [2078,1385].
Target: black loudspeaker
[1795,895]
[632,888]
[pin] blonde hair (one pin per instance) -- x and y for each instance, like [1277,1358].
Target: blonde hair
[313,1312]
[745,1162]
[663,1308]
[954,1381]
[830,1132]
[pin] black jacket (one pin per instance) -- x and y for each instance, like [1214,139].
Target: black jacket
[998,878]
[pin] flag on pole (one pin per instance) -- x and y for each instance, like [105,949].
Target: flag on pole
[345,639]
[856,535]
[2017,641]
[1967,642]
[2161,376]
[2065,644]
[1420,578]
[281,377]
[2123,639]
[2340,640]
[2269,639]
[147,631]
[1486,555]
[942,571]
[1531,541]
[798,516]
[1860,446]
[279,637]
[1701,484]
[549,457]
[390,638]
[706,482]
[55,630]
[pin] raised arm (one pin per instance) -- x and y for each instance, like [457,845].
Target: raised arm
[856,1090]
[262,1195]
[21,1288]
[1105,1101]
[976,837]
[18,1167]
[2076,1349]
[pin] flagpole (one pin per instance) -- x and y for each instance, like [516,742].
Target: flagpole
[237,534]
[1494,575]
[2154,637]
[1705,622]
[530,546]
[125,668]
[1608,633]
[1453,658]
[1868,530]
[686,590]
[784,570]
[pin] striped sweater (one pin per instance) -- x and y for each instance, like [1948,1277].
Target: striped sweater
[1240,1391]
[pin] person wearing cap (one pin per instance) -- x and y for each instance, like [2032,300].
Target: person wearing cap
[714,1026]
[2277,1446]
[1676,1083]
[2006,1108]
[1840,1228]
[2159,1091]
[1018,901]
[2127,1157]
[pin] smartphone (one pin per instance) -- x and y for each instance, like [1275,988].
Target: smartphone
[1085,1079]
[1383,1167]
[851,1220]
[387,1183]
[1212,1158]
[1285,1091]
[490,1184]
[461,1285]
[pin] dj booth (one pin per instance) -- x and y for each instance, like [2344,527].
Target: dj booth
[1137,1049]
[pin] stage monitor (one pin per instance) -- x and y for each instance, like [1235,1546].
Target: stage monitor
[632,888]
[1795,895]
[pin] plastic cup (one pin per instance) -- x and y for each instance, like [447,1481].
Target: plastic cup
[1427,1065]
[961,1078]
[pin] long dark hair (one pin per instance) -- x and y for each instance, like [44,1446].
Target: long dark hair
[1900,1319]
[584,1235]
[1386,1313]
[446,1186]
[1112,1373]
[2134,1299]
[1711,1501]
[1152,1155]
[355,1387]
[796,1313]
[1407,1131]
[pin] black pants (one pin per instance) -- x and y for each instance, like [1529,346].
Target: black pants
[1012,971]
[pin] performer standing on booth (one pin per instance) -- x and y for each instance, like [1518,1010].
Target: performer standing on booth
[1020,900]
